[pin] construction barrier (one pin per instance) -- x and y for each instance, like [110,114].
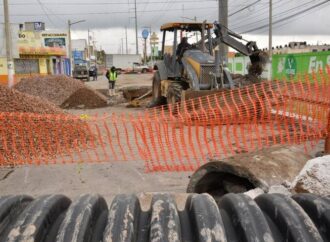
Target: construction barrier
[179,137]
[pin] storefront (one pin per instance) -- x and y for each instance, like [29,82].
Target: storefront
[42,53]
[45,60]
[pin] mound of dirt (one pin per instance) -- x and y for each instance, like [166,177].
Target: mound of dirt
[15,101]
[32,129]
[63,91]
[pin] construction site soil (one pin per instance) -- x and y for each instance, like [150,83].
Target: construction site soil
[26,127]
[63,91]
[14,101]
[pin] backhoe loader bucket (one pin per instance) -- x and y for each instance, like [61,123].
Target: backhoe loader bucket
[259,59]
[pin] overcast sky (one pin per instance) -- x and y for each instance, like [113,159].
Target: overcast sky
[295,20]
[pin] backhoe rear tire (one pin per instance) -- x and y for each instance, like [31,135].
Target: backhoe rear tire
[174,93]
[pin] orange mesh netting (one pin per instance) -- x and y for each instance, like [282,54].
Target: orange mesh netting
[178,137]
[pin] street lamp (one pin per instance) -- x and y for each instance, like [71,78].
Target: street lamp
[70,44]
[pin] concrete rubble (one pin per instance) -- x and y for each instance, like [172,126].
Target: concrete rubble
[314,177]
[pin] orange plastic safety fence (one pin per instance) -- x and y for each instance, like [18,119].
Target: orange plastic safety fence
[179,137]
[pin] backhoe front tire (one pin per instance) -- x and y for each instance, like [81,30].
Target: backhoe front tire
[157,98]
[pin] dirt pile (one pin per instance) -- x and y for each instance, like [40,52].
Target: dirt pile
[15,101]
[63,91]
[245,80]
[34,129]
[314,177]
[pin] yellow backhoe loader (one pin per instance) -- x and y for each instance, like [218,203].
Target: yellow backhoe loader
[197,70]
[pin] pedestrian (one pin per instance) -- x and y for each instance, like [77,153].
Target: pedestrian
[95,74]
[112,78]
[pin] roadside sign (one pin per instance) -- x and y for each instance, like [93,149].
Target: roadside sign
[145,34]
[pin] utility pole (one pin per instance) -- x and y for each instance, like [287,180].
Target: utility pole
[136,29]
[270,38]
[70,42]
[122,46]
[70,47]
[223,19]
[88,48]
[126,40]
[9,51]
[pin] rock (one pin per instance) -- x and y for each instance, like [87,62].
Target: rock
[314,177]
[254,193]
[279,189]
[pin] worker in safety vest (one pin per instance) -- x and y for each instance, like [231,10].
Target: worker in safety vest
[112,77]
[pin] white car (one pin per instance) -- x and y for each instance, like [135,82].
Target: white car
[137,67]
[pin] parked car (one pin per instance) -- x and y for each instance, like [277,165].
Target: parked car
[138,67]
[81,73]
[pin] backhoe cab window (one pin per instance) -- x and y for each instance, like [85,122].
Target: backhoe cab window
[193,38]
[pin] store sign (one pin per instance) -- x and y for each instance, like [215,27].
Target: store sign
[54,35]
[43,51]
[44,43]
[55,42]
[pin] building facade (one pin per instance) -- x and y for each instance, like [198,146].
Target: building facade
[35,51]
[42,53]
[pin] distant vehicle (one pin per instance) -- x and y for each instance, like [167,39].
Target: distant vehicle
[81,73]
[92,71]
[137,67]
[121,62]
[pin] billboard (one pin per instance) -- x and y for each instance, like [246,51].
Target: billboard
[286,65]
[290,65]
[78,57]
[42,43]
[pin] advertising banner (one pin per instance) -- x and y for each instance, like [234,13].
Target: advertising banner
[289,65]
[285,65]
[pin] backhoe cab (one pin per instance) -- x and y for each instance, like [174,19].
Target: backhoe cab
[197,70]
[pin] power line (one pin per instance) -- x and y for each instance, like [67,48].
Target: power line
[242,9]
[239,26]
[261,12]
[110,3]
[297,17]
[103,13]
[44,10]
[288,17]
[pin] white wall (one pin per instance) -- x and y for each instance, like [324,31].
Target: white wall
[14,36]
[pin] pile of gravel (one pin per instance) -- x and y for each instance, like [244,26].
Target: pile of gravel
[63,91]
[15,101]
[42,134]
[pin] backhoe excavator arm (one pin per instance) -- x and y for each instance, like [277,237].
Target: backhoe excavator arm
[258,58]
[230,38]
